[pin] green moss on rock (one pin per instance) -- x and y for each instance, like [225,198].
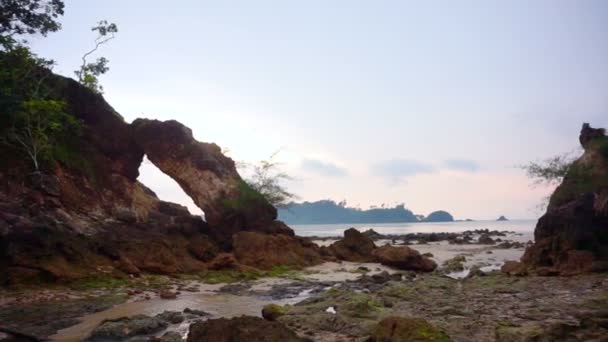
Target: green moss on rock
[410,329]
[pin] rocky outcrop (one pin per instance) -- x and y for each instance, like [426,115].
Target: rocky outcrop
[359,247]
[206,175]
[355,246]
[265,250]
[87,215]
[244,328]
[403,258]
[572,236]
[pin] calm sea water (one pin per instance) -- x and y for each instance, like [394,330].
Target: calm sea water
[520,226]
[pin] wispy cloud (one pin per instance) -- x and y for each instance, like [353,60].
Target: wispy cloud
[396,170]
[322,168]
[461,165]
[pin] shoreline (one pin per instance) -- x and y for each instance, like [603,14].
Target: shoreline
[234,298]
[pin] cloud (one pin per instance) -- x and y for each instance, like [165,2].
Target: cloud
[323,168]
[397,170]
[461,165]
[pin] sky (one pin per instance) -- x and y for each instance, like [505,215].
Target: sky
[429,103]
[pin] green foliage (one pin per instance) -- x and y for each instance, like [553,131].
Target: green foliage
[88,74]
[33,122]
[19,17]
[551,170]
[266,179]
[247,196]
[229,276]
[362,305]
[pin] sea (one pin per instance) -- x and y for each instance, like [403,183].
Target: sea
[525,227]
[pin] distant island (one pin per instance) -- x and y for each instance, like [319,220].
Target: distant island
[329,212]
[502,218]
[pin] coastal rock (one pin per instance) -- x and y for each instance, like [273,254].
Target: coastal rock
[126,327]
[206,175]
[90,214]
[396,328]
[244,328]
[514,268]
[485,239]
[572,236]
[265,251]
[355,246]
[272,311]
[167,294]
[403,258]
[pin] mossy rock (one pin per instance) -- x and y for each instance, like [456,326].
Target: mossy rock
[410,329]
[271,312]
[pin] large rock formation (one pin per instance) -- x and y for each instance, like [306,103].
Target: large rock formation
[88,215]
[359,247]
[572,236]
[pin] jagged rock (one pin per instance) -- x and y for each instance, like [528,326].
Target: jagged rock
[355,246]
[244,328]
[358,247]
[72,221]
[265,250]
[403,258]
[206,175]
[572,236]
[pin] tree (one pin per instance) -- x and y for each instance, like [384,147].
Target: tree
[550,171]
[266,179]
[88,74]
[19,17]
[38,126]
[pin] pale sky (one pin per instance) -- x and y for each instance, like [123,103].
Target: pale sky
[429,103]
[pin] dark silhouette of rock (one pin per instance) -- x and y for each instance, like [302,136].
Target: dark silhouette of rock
[355,246]
[572,236]
[502,218]
[403,258]
[359,247]
[92,212]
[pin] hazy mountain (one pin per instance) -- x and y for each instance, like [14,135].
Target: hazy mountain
[328,211]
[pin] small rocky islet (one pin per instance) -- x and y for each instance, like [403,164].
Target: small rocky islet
[80,241]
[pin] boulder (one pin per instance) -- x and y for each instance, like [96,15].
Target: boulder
[123,328]
[406,329]
[272,311]
[355,246]
[403,258]
[266,251]
[244,328]
[485,239]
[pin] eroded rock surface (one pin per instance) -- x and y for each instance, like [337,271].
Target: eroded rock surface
[359,247]
[572,236]
[89,216]
[244,328]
